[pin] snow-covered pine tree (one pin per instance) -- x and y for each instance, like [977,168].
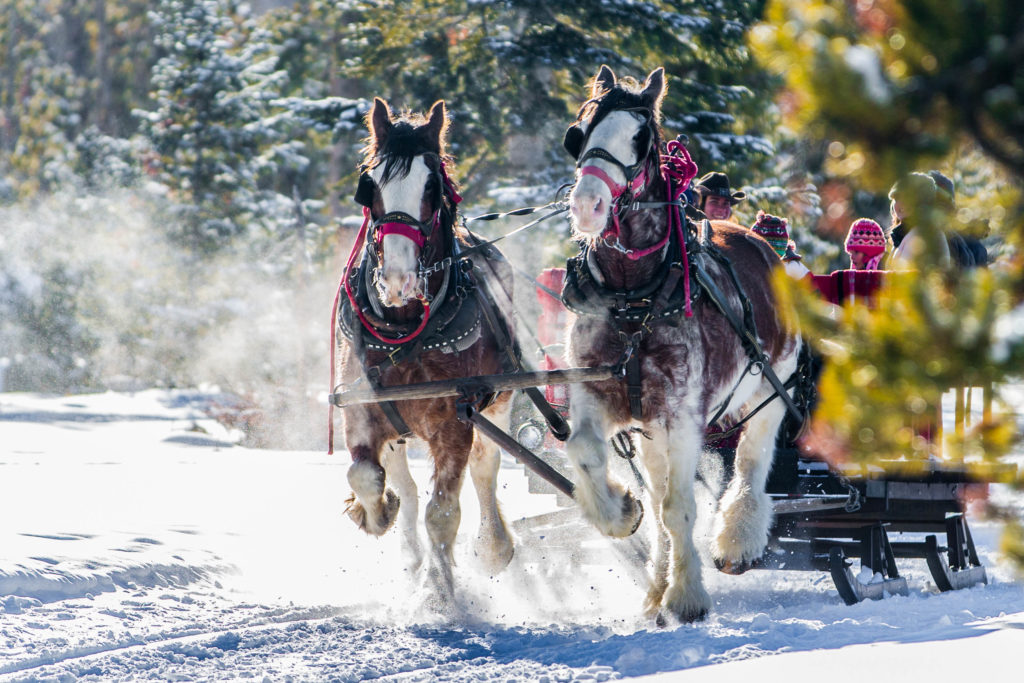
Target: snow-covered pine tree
[207,128]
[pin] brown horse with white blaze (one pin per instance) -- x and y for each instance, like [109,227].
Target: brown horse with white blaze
[410,311]
[686,367]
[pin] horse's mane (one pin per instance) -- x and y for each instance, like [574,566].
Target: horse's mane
[404,141]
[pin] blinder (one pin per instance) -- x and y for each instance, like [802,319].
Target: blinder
[365,189]
[573,141]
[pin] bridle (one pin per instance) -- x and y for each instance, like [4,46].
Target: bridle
[400,223]
[637,177]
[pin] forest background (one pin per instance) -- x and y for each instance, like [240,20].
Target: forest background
[176,176]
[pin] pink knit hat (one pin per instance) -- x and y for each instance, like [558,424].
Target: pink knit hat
[866,236]
[774,230]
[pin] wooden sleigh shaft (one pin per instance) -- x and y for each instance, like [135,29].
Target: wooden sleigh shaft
[460,387]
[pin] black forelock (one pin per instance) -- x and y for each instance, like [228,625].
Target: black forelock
[404,142]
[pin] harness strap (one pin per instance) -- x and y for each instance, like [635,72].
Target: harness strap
[746,330]
[389,408]
[634,386]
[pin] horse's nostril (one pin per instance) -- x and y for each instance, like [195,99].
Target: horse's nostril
[599,206]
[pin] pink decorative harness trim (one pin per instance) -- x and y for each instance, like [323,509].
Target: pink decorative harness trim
[678,166]
[405,230]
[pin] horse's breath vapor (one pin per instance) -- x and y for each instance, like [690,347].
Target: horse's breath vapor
[141,311]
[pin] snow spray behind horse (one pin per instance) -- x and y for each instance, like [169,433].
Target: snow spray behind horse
[688,312]
[414,310]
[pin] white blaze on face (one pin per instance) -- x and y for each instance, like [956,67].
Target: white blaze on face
[399,268]
[591,198]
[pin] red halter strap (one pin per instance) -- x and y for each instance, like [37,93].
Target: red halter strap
[638,181]
[617,190]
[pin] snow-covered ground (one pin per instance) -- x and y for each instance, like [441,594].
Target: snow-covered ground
[136,541]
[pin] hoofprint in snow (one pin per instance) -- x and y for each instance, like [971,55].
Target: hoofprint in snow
[137,540]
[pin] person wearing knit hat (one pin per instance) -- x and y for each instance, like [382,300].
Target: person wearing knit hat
[775,231]
[716,198]
[865,243]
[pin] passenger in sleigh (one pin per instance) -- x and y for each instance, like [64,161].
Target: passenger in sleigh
[775,231]
[865,244]
[715,198]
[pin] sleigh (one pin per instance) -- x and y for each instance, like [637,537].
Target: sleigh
[828,515]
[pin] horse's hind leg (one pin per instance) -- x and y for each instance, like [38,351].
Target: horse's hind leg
[396,464]
[745,510]
[449,449]
[607,504]
[372,506]
[494,543]
[685,596]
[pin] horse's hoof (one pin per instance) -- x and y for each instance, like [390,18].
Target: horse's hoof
[637,509]
[690,616]
[660,621]
[735,568]
[374,525]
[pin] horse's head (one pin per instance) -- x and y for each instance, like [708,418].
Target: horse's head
[403,184]
[615,142]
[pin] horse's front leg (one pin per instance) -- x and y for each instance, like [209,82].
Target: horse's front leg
[449,449]
[396,465]
[607,504]
[494,542]
[685,596]
[745,511]
[372,506]
[654,452]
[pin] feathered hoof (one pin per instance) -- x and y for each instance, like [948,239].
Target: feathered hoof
[492,558]
[631,514]
[375,525]
[688,604]
[691,615]
[686,613]
[736,568]
[632,508]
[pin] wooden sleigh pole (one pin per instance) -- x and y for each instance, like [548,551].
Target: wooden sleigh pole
[459,387]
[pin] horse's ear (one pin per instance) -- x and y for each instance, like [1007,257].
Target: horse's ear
[437,124]
[654,89]
[380,121]
[604,80]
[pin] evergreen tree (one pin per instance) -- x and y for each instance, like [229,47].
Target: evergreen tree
[903,86]
[66,67]
[208,130]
